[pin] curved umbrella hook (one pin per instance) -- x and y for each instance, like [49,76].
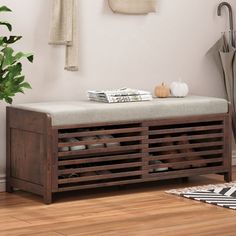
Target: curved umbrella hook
[231,22]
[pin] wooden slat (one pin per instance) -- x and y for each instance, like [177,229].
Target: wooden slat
[97,168]
[97,155]
[152,177]
[191,154]
[102,141]
[100,132]
[118,124]
[101,150]
[100,159]
[186,172]
[184,163]
[186,129]
[186,146]
[88,186]
[189,137]
[100,177]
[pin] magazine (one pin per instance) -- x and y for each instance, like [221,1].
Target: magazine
[119,95]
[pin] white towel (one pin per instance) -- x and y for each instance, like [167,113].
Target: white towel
[63,30]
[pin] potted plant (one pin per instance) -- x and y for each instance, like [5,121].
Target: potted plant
[11,79]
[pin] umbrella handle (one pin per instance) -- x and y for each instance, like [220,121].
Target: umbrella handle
[231,21]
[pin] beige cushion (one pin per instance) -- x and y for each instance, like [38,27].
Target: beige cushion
[133,6]
[87,112]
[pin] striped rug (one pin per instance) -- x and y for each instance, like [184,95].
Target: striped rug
[223,195]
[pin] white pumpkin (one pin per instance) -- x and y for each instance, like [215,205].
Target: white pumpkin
[179,89]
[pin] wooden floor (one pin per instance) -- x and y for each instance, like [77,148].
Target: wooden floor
[139,211]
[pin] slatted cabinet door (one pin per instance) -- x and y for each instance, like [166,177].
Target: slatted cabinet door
[100,156]
[186,147]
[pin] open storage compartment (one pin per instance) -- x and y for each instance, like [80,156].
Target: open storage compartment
[186,146]
[99,156]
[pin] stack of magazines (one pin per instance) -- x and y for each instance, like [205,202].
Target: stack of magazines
[119,95]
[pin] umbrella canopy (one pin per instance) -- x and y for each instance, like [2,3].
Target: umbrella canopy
[227,57]
[224,54]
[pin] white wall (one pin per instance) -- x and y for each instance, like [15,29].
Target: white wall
[118,50]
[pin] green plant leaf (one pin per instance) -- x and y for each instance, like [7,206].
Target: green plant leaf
[4,41]
[11,79]
[20,55]
[19,79]
[8,100]
[7,24]
[1,41]
[26,85]
[4,9]
[14,71]
[8,56]
[30,57]
[1,60]
[11,39]
[10,59]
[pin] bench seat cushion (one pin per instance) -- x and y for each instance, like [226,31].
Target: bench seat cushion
[87,112]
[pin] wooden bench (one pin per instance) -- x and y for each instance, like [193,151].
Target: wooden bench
[148,141]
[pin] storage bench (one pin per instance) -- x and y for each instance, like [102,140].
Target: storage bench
[64,146]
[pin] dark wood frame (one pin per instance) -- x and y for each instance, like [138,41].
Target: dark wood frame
[35,129]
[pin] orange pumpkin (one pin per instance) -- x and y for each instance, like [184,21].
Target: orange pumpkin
[162,91]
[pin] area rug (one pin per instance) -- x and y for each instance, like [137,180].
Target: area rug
[223,195]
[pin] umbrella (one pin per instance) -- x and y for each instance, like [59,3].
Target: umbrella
[224,54]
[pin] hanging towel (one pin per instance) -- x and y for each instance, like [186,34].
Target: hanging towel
[133,6]
[63,30]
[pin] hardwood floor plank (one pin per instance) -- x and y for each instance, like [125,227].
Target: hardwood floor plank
[48,233]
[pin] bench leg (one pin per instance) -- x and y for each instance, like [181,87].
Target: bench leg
[228,177]
[47,198]
[9,188]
